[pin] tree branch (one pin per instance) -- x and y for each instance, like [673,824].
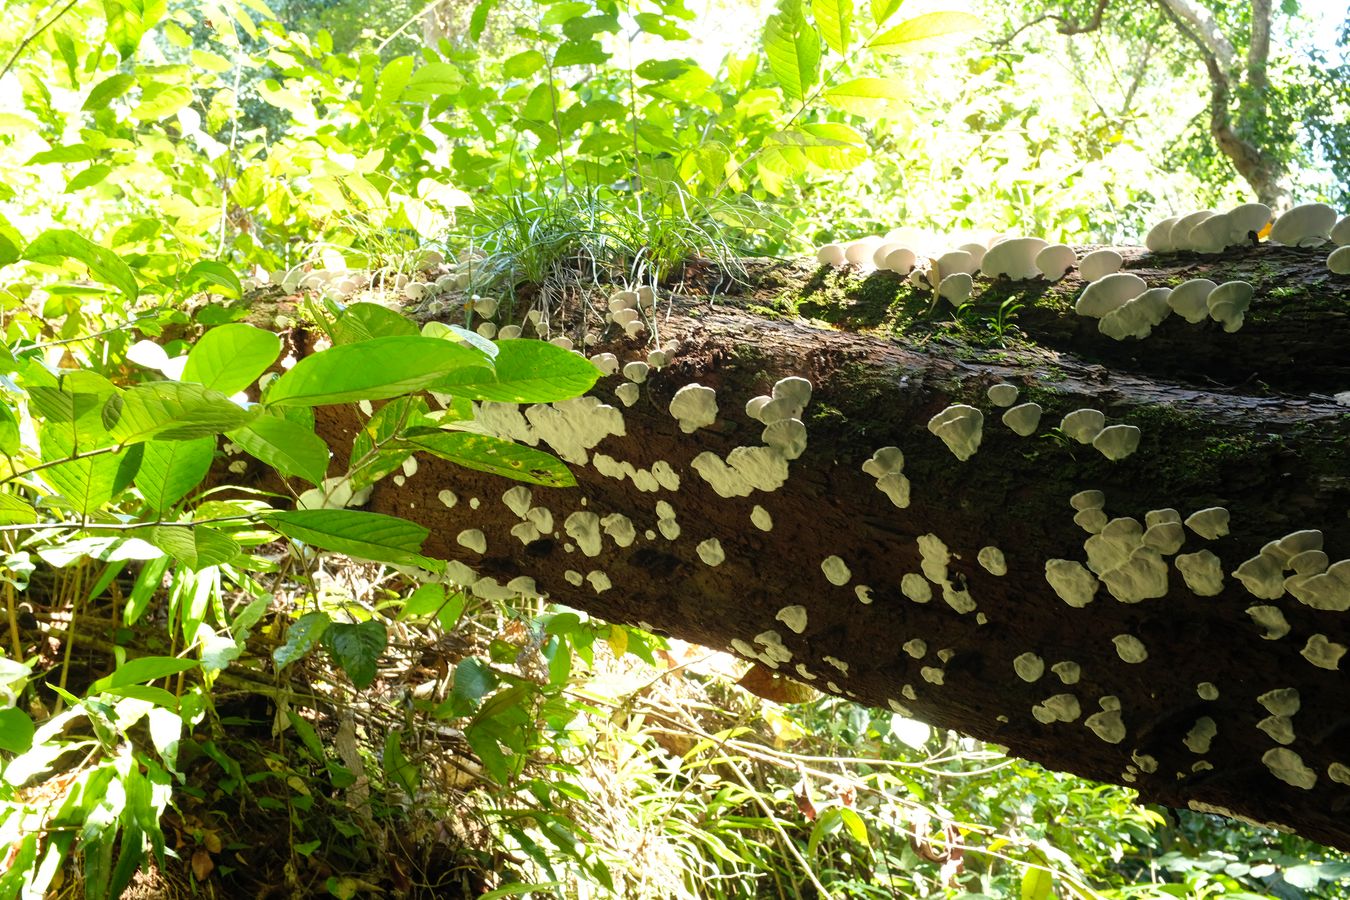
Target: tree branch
[1201,28]
[1065,25]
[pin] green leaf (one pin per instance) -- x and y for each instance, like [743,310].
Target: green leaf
[855,825]
[88,178]
[104,265]
[884,9]
[14,511]
[397,768]
[108,90]
[835,18]
[67,153]
[195,546]
[473,680]
[371,370]
[1036,884]
[357,648]
[394,78]
[792,48]
[169,469]
[917,34]
[16,731]
[301,637]
[367,535]
[229,358]
[486,453]
[87,484]
[526,371]
[290,448]
[175,411]
[142,670]
[584,52]
[865,96]
[11,243]
[524,64]
[159,101]
[219,278]
[363,321]
[433,80]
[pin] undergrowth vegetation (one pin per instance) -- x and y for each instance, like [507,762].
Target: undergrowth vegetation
[221,675]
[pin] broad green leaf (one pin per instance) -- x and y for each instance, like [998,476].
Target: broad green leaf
[14,511]
[865,96]
[88,178]
[367,535]
[1036,884]
[229,358]
[884,9]
[301,637]
[195,546]
[394,78]
[9,430]
[524,64]
[68,153]
[835,18]
[485,453]
[290,448]
[526,371]
[87,484]
[11,243]
[175,411]
[16,731]
[397,768]
[473,680]
[169,469]
[108,90]
[371,370]
[159,101]
[363,321]
[827,824]
[792,48]
[218,277]
[357,648]
[921,32]
[478,21]
[142,670]
[855,825]
[433,80]
[104,265]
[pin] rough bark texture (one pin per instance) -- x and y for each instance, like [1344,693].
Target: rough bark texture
[1244,421]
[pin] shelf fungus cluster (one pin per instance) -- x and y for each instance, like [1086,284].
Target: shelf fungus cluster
[1209,231]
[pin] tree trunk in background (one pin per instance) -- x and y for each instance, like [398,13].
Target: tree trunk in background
[1245,421]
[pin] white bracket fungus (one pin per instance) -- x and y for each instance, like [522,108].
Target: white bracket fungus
[837,663]
[787,436]
[1073,584]
[1202,571]
[1306,225]
[932,675]
[1206,690]
[694,406]
[1165,537]
[584,527]
[863,593]
[1309,562]
[1189,299]
[1083,425]
[636,371]
[1228,304]
[1109,293]
[1339,773]
[760,518]
[916,587]
[1055,261]
[1015,258]
[956,288]
[746,469]
[831,255]
[1059,708]
[1159,237]
[860,252]
[1271,619]
[1143,576]
[1247,221]
[1029,667]
[836,571]
[794,617]
[1262,576]
[599,581]
[915,647]
[885,461]
[710,551]
[472,539]
[1116,442]
[792,394]
[1084,500]
[961,428]
[1107,725]
[900,261]
[1288,766]
[1210,235]
[1129,648]
[1323,653]
[1281,701]
[991,558]
[1181,230]
[956,262]
[1210,523]
[1201,735]
[1002,394]
[1090,520]
[627,393]
[1023,419]
[618,526]
[447,498]
[1068,671]
[1137,317]
[1279,729]
[1100,263]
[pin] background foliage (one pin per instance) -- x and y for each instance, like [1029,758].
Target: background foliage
[194,672]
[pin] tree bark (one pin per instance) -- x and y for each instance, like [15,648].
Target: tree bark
[1240,420]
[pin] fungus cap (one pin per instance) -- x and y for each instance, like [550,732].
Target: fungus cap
[1023,419]
[1108,293]
[1029,667]
[1338,261]
[1088,499]
[1116,442]
[1306,225]
[885,461]
[1068,671]
[1159,237]
[960,427]
[954,261]
[900,260]
[1090,520]
[1129,648]
[830,255]
[1072,583]
[788,436]
[1211,235]
[976,252]
[1202,572]
[1100,263]
[993,561]
[1002,394]
[1189,298]
[1083,425]
[695,406]
[1055,261]
[1272,619]
[1181,230]
[1288,766]
[1323,653]
[956,288]
[883,250]
[1228,304]
[1247,221]
[1014,258]
[1210,523]
[859,252]
[636,371]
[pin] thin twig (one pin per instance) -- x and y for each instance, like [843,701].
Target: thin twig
[23,45]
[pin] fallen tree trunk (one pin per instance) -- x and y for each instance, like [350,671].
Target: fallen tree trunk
[922,584]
